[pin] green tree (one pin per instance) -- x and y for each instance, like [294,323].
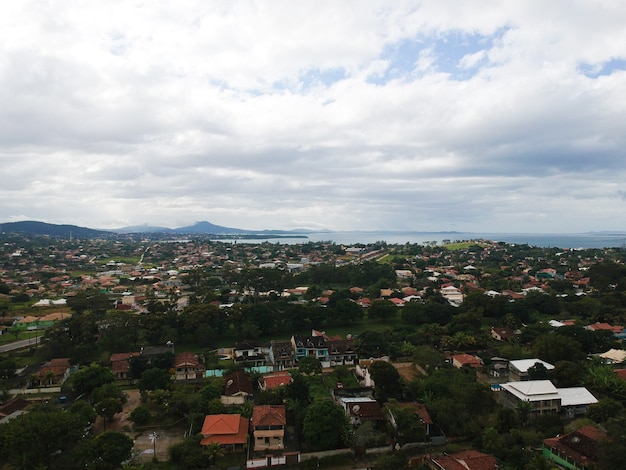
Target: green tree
[108,408]
[106,451]
[90,377]
[310,365]
[603,410]
[85,412]
[190,454]
[36,439]
[325,425]
[391,461]
[154,379]
[567,374]
[554,348]
[110,390]
[140,416]
[387,380]
[382,310]
[538,372]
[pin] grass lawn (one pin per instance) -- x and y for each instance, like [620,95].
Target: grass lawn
[462,245]
[319,387]
[10,337]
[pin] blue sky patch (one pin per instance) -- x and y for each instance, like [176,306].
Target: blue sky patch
[601,69]
[446,51]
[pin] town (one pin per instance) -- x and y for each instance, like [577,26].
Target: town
[195,353]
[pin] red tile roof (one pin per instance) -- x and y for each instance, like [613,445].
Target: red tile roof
[466,359]
[579,446]
[467,460]
[57,366]
[269,415]
[187,359]
[277,380]
[225,429]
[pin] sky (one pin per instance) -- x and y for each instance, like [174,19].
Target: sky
[484,116]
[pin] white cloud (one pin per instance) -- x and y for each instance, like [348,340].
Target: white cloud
[482,115]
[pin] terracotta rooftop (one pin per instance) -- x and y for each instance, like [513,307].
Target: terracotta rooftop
[467,460]
[225,429]
[269,415]
[277,380]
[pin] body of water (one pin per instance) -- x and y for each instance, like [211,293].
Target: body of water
[558,240]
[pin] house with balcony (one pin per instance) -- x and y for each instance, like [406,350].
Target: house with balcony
[188,366]
[282,355]
[251,353]
[544,398]
[268,427]
[342,352]
[311,346]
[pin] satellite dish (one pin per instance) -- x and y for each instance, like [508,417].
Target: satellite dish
[229,383]
[356,408]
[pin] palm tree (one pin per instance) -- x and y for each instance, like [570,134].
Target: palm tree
[214,450]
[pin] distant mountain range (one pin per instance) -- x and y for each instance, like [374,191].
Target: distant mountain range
[68,231]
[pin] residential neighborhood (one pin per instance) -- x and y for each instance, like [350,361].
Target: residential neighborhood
[197,353]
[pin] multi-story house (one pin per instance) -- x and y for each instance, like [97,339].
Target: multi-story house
[251,353]
[311,346]
[188,366]
[341,352]
[268,427]
[543,397]
[518,370]
[282,355]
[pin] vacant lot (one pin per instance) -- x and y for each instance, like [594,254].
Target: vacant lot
[144,445]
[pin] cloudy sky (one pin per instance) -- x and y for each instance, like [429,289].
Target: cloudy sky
[485,116]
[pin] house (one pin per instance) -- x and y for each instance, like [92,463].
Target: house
[361,409]
[421,413]
[56,371]
[464,460]
[282,355]
[502,333]
[120,364]
[518,370]
[342,352]
[231,431]
[616,357]
[543,397]
[188,366]
[311,346]
[268,427]
[237,388]
[618,331]
[575,450]
[575,400]
[460,360]
[453,295]
[251,353]
[275,380]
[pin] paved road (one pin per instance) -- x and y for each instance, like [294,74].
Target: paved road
[20,344]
